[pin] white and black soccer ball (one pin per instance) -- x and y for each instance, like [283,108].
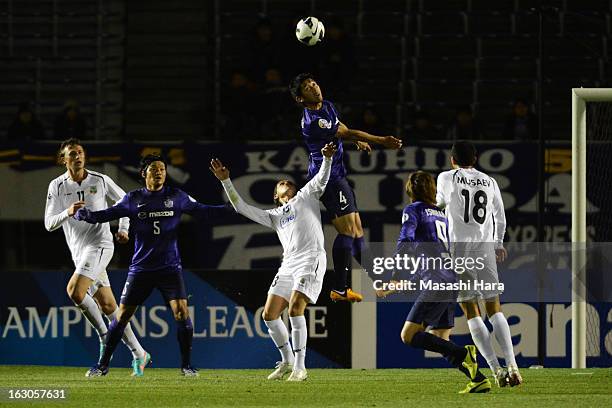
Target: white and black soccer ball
[310,31]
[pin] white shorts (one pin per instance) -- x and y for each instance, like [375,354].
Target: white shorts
[306,278]
[92,264]
[487,275]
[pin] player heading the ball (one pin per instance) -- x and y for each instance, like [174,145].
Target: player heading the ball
[321,125]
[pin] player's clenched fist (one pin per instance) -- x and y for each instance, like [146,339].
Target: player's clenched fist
[219,170]
[75,207]
[329,150]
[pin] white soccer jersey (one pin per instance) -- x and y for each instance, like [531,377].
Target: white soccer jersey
[297,223]
[96,189]
[473,205]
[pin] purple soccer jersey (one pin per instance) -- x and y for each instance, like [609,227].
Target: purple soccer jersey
[425,232]
[154,220]
[319,127]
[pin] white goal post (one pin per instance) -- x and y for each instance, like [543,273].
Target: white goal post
[580,96]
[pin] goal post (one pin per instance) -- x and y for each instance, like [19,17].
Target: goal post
[580,96]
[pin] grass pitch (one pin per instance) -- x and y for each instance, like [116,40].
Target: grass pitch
[325,388]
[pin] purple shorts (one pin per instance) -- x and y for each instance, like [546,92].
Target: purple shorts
[436,311]
[339,198]
[139,285]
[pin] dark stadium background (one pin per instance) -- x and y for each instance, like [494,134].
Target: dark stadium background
[199,72]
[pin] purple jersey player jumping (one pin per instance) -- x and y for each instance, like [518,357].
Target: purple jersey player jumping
[321,125]
[154,212]
[424,233]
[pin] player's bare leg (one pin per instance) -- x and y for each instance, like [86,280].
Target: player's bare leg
[484,341]
[501,331]
[349,228]
[106,300]
[273,309]
[299,334]
[77,289]
[184,334]
[441,333]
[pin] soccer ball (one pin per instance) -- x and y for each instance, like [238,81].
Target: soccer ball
[310,31]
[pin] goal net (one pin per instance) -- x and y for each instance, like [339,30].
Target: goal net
[591,219]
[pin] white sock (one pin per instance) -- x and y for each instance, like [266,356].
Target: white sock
[92,313]
[299,336]
[501,330]
[482,340]
[129,338]
[280,337]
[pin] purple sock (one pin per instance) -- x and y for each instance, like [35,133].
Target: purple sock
[184,334]
[363,255]
[113,337]
[342,256]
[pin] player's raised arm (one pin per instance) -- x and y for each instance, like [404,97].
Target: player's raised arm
[354,135]
[55,215]
[316,186]
[116,193]
[256,214]
[203,211]
[119,210]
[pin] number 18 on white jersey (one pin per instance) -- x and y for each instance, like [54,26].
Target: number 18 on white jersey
[473,206]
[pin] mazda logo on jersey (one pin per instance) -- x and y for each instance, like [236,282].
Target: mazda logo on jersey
[168,203]
[142,215]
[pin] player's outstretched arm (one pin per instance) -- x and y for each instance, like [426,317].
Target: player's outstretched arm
[389,142]
[256,214]
[119,210]
[316,186]
[116,193]
[499,216]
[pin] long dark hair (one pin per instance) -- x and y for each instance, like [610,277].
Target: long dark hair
[421,186]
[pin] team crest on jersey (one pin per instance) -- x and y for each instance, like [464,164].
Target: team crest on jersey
[93,190]
[324,124]
[168,203]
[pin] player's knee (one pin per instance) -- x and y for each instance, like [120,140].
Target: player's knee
[406,337]
[181,314]
[296,310]
[269,316]
[108,307]
[76,296]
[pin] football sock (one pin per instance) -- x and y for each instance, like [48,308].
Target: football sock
[342,256]
[280,337]
[298,338]
[115,332]
[129,338]
[482,340]
[501,330]
[184,335]
[363,255]
[92,313]
[453,353]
